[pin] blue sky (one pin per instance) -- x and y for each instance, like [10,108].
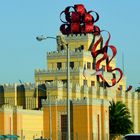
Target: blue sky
[22,20]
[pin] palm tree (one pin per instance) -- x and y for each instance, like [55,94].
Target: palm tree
[119,119]
[138,89]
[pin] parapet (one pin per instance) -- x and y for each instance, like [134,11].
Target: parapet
[9,87]
[40,70]
[7,108]
[82,101]
[92,101]
[58,71]
[56,102]
[73,53]
[80,37]
[29,86]
[58,84]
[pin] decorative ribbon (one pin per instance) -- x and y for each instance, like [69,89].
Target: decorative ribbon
[105,56]
[119,88]
[80,21]
[129,88]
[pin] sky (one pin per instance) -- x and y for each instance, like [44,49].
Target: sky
[22,20]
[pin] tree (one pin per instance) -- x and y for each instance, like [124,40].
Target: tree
[138,89]
[119,119]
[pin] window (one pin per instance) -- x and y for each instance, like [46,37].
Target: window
[62,47]
[120,87]
[63,127]
[92,83]
[48,81]
[85,82]
[88,65]
[64,123]
[72,65]
[93,66]
[59,65]
[82,47]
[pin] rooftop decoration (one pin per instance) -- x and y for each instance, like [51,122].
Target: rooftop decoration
[77,21]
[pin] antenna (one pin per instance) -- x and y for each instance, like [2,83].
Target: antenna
[20,81]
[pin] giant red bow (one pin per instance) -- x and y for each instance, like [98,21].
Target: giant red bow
[78,21]
[105,56]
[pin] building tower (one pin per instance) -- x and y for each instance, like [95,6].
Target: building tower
[89,100]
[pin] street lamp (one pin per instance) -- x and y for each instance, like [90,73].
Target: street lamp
[60,41]
[40,38]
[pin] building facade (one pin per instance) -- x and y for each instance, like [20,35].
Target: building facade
[26,107]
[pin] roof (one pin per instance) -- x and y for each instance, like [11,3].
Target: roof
[9,136]
[132,134]
[1,136]
[41,139]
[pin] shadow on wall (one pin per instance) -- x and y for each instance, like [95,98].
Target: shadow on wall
[21,101]
[1,95]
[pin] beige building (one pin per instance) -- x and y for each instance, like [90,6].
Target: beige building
[25,108]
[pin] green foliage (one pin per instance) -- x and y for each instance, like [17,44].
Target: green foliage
[119,120]
[138,89]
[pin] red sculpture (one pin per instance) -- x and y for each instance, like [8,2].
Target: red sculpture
[80,21]
[105,56]
[129,88]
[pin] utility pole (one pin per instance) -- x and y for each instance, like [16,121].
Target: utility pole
[68,93]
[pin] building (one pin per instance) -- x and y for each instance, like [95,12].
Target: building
[22,112]
[40,110]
